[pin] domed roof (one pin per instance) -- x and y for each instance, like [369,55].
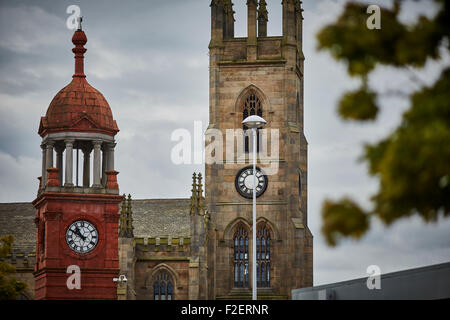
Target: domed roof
[78,107]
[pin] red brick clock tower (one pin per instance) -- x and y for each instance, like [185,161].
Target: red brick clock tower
[76,218]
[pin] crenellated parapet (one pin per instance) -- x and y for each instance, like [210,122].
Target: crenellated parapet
[21,260]
[257,47]
[163,244]
[24,263]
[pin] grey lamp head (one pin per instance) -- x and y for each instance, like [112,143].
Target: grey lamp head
[254,121]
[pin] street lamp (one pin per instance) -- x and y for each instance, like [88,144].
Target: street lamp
[121,279]
[254,122]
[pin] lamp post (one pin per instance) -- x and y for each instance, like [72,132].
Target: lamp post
[254,122]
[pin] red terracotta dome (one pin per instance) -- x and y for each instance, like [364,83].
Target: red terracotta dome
[78,107]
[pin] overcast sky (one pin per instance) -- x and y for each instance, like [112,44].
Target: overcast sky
[150,61]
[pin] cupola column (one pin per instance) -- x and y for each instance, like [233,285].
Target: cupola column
[86,167]
[97,174]
[44,166]
[69,163]
[59,162]
[110,164]
[105,155]
[49,154]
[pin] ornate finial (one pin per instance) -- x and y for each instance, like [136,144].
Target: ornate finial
[80,19]
[199,185]
[126,218]
[200,204]
[283,2]
[194,194]
[197,201]
[129,218]
[298,6]
[122,220]
[79,39]
[262,11]
[228,7]
[216,3]
[124,205]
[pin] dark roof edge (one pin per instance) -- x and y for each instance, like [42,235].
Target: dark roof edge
[15,203]
[404,272]
[155,199]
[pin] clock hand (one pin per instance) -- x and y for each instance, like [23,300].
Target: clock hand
[78,233]
[82,236]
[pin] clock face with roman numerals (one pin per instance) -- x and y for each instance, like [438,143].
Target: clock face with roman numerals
[82,236]
[244,182]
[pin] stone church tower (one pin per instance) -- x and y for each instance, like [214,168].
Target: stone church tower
[260,75]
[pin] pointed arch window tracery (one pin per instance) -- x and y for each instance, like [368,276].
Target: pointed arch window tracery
[263,256]
[163,286]
[252,106]
[240,257]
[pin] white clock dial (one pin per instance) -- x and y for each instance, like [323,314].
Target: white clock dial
[82,236]
[244,182]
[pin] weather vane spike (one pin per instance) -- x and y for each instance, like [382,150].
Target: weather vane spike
[80,19]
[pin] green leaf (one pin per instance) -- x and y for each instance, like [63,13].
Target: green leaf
[358,105]
[343,218]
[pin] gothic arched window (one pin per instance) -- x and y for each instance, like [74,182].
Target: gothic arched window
[252,106]
[263,242]
[240,257]
[162,286]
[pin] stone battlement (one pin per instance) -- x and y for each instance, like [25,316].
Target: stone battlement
[21,260]
[163,244]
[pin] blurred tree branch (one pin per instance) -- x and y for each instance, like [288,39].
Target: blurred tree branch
[413,163]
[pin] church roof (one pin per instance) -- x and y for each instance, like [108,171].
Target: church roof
[152,218]
[18,219]
[161,218]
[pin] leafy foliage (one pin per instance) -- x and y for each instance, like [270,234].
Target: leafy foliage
[10,288]
[358,105]
[343,218]
[413,163]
